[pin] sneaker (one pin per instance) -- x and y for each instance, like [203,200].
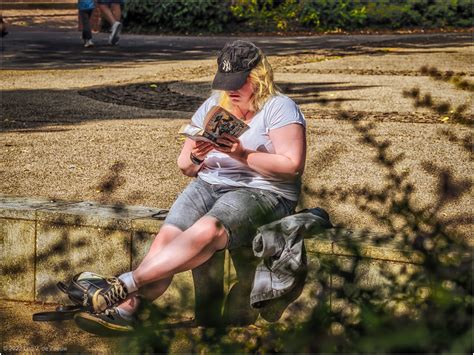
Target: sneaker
[98,298]
[108,324]
[88,43]
[115,35]
[82,285]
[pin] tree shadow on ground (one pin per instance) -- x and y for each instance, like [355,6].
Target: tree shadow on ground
[33,109]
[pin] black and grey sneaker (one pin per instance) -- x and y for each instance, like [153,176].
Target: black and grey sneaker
[101,299]
[95,292]
[108,324]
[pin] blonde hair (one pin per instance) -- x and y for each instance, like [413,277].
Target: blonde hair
[261,78]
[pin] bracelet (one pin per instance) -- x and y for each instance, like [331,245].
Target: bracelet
[195,160]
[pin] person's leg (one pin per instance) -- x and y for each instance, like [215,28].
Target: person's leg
[203,234]
[116,11]
[188,250]
[193,203]
[107,13]
[3,27]
[196,200]
[182,252]
[240,211]
[154,290]
[85,21]
[117,26]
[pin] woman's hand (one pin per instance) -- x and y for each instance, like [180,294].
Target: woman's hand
[198,150]
[231,146]
[201,149]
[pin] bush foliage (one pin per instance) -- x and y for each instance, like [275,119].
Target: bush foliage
[214,16]
[179,16]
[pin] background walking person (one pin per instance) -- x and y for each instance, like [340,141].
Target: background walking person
[112,11]
[86,7]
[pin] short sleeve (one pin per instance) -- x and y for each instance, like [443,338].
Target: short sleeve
[282,111]
[200,114]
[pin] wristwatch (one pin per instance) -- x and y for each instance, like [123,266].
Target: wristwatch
[195,160]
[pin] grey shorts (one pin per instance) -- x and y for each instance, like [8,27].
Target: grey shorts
[241,210]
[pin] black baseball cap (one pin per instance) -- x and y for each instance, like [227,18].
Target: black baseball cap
[234,63]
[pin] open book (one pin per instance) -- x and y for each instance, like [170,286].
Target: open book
[217,121]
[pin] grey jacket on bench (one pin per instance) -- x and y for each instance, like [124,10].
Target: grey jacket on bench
[281,246]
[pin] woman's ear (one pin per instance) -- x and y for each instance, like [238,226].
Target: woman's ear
[255,85]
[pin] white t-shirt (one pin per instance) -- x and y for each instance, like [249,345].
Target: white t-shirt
[219,168]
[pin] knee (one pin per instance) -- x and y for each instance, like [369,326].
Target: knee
[209,231]
[164,237]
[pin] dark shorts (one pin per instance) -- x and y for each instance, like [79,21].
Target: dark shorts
[240,210]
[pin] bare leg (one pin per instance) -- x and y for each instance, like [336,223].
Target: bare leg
[175,251]
[154,290]
[151,292]
[107,13]
[116,11]
[186,251]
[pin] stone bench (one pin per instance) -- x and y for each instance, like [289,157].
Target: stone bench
[44,242]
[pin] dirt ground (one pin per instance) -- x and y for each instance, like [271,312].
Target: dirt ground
[21,335]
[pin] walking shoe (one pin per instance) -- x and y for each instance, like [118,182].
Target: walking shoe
[108,324]
[115,35]
[88,43]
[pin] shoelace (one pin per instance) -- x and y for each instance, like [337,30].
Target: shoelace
[115,293]
[111,312]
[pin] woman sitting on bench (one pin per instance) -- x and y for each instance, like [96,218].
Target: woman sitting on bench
[240,184]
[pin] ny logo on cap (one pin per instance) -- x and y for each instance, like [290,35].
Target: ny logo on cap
[226,66]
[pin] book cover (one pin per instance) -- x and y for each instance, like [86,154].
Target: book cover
[217,121]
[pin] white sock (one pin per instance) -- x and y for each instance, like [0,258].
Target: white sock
[129,282]
[127,315]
